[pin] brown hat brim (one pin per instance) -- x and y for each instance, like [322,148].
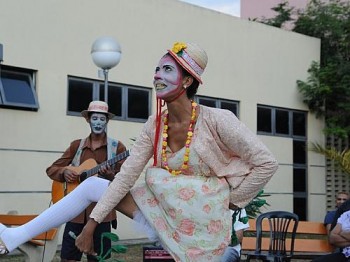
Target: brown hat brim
[85,114]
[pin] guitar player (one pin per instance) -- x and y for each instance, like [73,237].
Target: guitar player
[98,147]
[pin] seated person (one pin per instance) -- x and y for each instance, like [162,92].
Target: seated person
[341,197]
[339,236]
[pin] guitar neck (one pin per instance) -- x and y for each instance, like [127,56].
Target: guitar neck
[109,162]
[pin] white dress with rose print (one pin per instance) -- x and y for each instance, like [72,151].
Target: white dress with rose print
[190,211]
[194,210]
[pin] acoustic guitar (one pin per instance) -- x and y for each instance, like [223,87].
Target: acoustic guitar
[88,168]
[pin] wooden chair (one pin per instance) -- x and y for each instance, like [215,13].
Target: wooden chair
[279,222]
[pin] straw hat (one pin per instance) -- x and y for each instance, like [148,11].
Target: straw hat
[191,57]
[97,107]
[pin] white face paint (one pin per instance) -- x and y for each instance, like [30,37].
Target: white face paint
[168,78]
[98,123]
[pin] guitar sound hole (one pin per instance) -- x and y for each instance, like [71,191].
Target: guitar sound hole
[83,176]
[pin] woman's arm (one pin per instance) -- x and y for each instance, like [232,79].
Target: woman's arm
[130,171]
[339,238]
[118,189]
[248,151]
[85,241]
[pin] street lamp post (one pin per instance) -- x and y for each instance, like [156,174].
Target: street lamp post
[106,53]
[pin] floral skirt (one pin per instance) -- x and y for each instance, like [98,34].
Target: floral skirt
[189,212]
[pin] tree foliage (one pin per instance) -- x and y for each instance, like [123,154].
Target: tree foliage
[327,89]
[284,14]
[342,158]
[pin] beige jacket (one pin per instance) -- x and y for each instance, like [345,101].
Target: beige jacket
[223,142]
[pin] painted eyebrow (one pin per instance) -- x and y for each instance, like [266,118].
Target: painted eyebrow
[164,66]
[168,65]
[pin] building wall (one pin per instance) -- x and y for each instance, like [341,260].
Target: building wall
[248,62]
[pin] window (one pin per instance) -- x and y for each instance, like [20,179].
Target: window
[279,121]
[130,103]
[218,103]
[299,178]
[264,119]
[300,207]
[282,122]
[299,124]
[136,106]
[17,88]
[299,152]
[289,123]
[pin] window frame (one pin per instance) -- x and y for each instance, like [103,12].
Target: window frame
[290,122]
[98,91]
[218,102]
[31,76]
[297,195]
[126,98]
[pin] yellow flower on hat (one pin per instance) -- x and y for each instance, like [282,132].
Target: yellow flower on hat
[178,46]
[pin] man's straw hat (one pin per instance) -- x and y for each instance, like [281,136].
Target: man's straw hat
[97,107]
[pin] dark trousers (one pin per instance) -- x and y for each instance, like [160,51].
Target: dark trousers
[70,252]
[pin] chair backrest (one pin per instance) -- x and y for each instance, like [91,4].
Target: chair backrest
[282,225]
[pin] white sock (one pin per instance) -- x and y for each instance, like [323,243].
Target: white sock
[143,225]
[61,212]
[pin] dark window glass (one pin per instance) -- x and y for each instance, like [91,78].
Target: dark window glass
[282,122]
[264,120]
[17,88]
[115,100]
[299,207]
[218,103]
[80,94]
[137,103]
[124,101]
[229,106]
[207,102]
[299,152]
[299,124]
[299,180]
[101,92]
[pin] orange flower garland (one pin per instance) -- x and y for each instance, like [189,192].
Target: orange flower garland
[187,144]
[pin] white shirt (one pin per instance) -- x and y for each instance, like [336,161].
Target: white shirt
[344,220]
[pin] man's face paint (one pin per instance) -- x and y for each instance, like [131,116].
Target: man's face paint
[98,123]
[167,78]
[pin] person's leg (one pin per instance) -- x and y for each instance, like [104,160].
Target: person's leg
[64,210]
[128,207]
[230,255]
[69,251]
[101,228]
